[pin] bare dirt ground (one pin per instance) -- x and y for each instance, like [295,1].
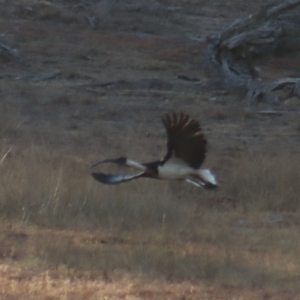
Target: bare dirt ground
[91,81]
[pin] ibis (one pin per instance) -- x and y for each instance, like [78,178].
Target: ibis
[186,151]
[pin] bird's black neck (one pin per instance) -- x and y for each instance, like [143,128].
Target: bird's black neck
[153,166]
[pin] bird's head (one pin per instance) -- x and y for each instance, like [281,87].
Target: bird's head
[120,161]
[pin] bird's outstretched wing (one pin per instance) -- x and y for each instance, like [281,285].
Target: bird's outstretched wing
[185,139]
[115,179]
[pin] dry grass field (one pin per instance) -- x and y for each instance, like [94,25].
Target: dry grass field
[94,79]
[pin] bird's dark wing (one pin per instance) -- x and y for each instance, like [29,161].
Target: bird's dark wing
[185,139]
[115,179]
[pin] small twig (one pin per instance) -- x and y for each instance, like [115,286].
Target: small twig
[277,112]
[5,155]
[10,53]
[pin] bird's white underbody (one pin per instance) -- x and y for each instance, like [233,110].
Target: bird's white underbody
[175,168]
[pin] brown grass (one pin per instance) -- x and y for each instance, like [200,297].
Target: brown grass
[151,229]
[78,236]
[64,235]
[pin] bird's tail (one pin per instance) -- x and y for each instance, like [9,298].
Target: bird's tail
[204,179]
[210,182]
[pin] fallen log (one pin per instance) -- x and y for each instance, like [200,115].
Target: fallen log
[231,52]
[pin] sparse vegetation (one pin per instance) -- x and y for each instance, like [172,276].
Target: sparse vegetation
[63,235]
[158,235]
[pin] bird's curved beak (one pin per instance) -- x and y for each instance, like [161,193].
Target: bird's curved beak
[119,161]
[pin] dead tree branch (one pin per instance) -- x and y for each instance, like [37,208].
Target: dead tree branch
[231,51]
[8,53]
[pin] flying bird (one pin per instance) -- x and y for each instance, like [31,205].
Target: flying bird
[186,150]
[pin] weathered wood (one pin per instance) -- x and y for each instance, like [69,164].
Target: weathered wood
[11,54]
[230,52]
[260,91]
